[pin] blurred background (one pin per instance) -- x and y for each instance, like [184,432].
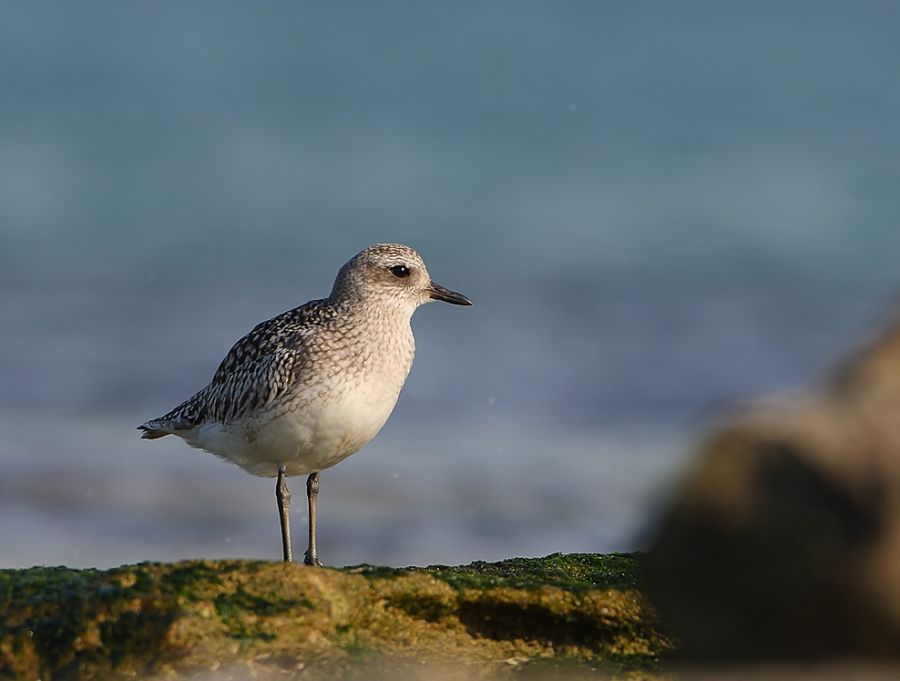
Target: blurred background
[660,210]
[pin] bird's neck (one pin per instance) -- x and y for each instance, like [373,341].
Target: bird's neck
[386,314]
[389,352]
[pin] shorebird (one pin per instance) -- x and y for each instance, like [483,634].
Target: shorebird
[306,389]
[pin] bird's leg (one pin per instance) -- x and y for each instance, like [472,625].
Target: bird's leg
[283,497]
[312,491]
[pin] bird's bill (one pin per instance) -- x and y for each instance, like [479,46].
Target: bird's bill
[438,292]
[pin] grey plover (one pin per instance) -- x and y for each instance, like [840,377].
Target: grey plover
[308,388]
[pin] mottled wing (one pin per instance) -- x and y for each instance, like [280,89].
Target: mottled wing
[261,367]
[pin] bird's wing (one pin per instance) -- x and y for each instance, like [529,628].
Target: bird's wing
[258,369]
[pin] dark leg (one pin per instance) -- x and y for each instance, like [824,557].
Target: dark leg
[312,491]
[283,497]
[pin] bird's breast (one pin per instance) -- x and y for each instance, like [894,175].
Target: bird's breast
[346,405]
[361,401]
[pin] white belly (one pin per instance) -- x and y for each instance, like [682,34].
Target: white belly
[304,438]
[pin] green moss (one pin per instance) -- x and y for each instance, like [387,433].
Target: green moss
[375,571]
[242,601]
[45,607]
[192,581]
[236,609]
[573,572]
[424,607]
[43,583]
[133,637]
[151,619]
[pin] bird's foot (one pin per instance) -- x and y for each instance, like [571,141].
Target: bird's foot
[312,560]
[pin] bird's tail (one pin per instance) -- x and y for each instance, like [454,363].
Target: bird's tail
[181,418]
[161,427]
[148,432]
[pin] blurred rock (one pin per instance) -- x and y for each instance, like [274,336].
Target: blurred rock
[783,540]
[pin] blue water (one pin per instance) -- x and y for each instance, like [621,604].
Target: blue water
[659,209]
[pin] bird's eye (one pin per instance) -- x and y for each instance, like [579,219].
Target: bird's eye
[400,271]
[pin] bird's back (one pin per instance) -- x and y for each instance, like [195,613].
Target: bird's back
[259,368]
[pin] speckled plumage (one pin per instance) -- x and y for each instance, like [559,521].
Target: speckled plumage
[313,385]
[257,370]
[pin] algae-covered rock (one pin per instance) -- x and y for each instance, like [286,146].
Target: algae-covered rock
[242,619]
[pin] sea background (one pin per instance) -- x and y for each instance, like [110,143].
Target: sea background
[661,210]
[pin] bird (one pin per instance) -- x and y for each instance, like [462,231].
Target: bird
[304,390]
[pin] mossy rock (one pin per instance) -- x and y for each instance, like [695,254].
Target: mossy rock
[568,615]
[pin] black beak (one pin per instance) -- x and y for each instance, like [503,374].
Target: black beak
[438,292]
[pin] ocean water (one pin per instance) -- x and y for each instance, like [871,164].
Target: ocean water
[660,211]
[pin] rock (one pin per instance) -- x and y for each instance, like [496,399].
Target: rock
[783,540]
[244,619]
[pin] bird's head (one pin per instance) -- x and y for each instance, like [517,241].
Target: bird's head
[393,275]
